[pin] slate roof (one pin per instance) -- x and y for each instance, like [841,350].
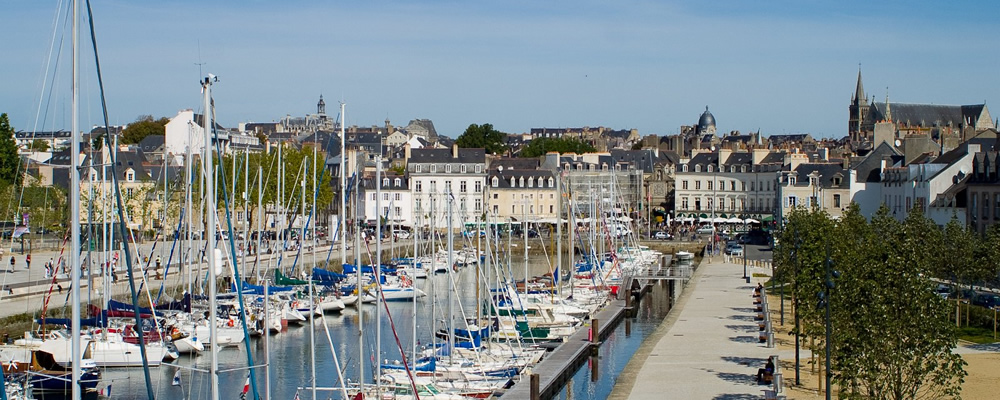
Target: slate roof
[827,173]
[739,158]
[517,163]
[986,168]
[927,114]
[504,178]
[444,156]
[404,182]
[868,168]
[152,143]
[643,160]
[959,152]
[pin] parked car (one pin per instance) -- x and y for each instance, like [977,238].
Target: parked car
[734,249]
[401,234]
[706,229]
[987,300]
[662,235]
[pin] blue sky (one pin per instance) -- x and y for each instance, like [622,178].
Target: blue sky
[778,66]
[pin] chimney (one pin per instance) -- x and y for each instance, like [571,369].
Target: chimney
[724,156]
[758,155]
[406,152]
[824,154]
[454,151]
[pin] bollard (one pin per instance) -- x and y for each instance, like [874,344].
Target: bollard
[535,394]
[595,336]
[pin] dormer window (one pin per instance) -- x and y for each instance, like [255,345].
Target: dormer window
[551,182]
[522,181]
[531,182]
[416,168]
[398,182]
[129,176]
[743,169]
[684,168]
[479,169]
[711,168]
[791,179]
[604,167]
[433,168]
[495,182]
[512,182]
[732,169]
[385,182]
[697,168]
[463,168]
[447,168]
[836,181]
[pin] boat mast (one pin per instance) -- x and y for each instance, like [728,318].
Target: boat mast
[75,210]
[267,301]
[188,160]
[451,282]
[360,289]
[210,230]
[559,265]
[413,279]
[342,229]
[376,269]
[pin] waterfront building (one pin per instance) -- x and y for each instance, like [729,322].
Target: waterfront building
[397,203]
[517,190]
[441,175]
[983,191]
[825,186]
[727,184]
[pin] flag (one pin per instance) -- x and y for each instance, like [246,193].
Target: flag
[106,392]
[246,388]
[297,396]
[177,378]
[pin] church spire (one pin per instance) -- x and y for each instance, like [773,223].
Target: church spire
[859,91]
[888,110]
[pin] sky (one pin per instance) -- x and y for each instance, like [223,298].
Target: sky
[778,66]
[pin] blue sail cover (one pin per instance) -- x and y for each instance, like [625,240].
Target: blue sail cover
[424,364]
[259,289]
[96,321]
[323,276]
[120,306]
[367,269]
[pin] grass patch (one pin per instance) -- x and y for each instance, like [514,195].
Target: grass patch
[976,334]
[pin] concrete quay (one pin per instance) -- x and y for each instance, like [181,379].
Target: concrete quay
[708,347]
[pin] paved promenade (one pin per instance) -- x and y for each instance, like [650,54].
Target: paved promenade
[709,348]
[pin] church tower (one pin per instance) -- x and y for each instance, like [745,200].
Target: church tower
[321,106]
[857,111]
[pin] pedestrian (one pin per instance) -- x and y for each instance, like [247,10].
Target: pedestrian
[59,287]
[157,263]
[27,261]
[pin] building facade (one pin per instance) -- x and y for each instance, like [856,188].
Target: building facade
[440,178]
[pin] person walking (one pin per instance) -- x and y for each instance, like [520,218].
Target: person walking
[11,263]
[27,261]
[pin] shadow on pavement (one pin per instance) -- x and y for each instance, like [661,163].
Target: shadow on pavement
[746,379]
[743,309]
[742,317]
[743,328]
[736,396]
[745,339]
[751,362]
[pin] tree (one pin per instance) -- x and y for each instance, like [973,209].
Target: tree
[10,162]
[483,136]
[538,147]
[143,126]
[39,145]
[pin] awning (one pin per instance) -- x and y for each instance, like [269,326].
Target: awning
[703,216]
[734,220]
[752,221]
[768,218]
[718,220]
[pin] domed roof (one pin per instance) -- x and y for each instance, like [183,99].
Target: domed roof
[707,120]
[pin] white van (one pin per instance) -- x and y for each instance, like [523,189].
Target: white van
[706,229]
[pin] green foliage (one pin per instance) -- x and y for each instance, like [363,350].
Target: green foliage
[10,162]
[538,147]
[892,338]
[483,136]
[39,145]
[294,172]
[144,126]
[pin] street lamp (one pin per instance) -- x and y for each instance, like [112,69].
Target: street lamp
[745,249]
[824,301]
[795,275]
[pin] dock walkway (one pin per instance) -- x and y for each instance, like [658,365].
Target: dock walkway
[562,363]
[711,350]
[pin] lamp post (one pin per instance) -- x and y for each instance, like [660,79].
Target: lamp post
[824,301]
[795,275]
[745,249]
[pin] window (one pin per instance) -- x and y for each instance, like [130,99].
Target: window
[909,204]
[433,168]
[836,200]
[496,195]
[461,187]
[239,215]
[812,201]
[732,169]
[385,182]
[684,168]
[399,212]
[532,210]
[552,182]
[697,204]
[479,169]
[732,186]
[463,168]
[385,196]
[752,186]
[697,185]
[791,179]
[996,206]
[521,182]
[419,187]
[986,205]
[512,209]
[710,185]
[385,210]
[531,182]
[416,168]
[398,197]
[721,203]
[417,204]
[697,168]
[479,187]
[684,203]
[433,186]
[479,205]
[791,201]
[461,204]
[710,204]
[398,182]
[711,168]
[496,209]
[684,185]
[496,181]
[447,168]
[512,182]
[551,209]
[732,204]
[447,186]
[373,196]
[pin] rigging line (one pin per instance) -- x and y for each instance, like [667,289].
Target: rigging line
[232,251]
[312,211]
[121,213]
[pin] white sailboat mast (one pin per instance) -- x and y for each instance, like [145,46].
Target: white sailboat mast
[211,229]
[74,254]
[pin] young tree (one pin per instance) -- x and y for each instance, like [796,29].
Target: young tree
[144,126]
[39,145]
[10,162]
[538,147]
